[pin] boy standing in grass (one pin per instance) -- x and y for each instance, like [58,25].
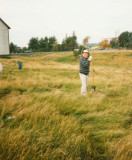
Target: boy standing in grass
[84,71]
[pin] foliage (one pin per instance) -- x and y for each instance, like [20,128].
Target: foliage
[114,43]
[69,43]
[86,40]
[24,49]
[14,48]
[43,44]
[125,39]
[51,44]
[77,52]
[55,46]
[105,44]
[33,44]
[129,44]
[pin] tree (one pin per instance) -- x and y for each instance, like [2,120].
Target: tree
[86,40]
[129,44]
[33,44]
[63,45]
[105,44]
[42,44]
[14,48]
[74,41]
[55,46]
[69,43]
[52,40]
[50,44]
[123,39]
[114,42]
[78,52]
[24,49]
[46,44]
[60,47]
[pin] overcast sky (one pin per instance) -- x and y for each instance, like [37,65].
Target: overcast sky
[39,18]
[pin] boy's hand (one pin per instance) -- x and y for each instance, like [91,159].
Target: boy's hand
[90,58]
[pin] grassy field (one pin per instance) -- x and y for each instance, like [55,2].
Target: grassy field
[52,121]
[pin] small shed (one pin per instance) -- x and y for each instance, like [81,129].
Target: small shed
[4,38]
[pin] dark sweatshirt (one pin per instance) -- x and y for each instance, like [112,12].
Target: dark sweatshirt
[84,66]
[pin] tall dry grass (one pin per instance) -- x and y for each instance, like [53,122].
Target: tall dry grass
[52,120]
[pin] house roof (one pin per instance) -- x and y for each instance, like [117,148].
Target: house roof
[5,23]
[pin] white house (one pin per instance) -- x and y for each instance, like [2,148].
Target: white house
[4,38]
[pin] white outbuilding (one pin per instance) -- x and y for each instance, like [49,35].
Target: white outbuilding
[4,38]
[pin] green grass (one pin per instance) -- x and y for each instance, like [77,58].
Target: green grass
[53,121]
[67,59]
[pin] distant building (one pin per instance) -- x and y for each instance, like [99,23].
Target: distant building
[92,46]
[4,38]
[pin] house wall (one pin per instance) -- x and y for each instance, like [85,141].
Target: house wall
[4,39]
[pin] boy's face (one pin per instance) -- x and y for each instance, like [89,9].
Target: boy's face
[85,54]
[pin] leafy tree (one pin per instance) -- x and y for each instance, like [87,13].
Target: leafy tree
[60,47]
[74,41]
[69,43]
[33,44]
[105,44]
[77,52]
[24,49]
[114,43]
[42,44]
[50,44]
[64,45]
[46,44]
[55,46]
[14,48]
[52,40]
[123,39]
[86,40]
[19,50]
[129,44]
